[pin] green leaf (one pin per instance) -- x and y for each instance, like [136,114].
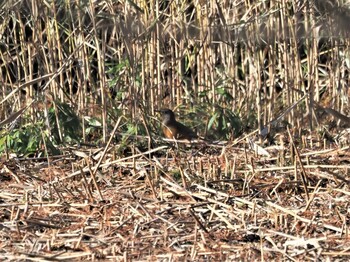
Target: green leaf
[212,120]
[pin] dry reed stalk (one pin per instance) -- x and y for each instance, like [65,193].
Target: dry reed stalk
[200,32]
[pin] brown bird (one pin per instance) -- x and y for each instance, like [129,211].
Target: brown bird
[173,129]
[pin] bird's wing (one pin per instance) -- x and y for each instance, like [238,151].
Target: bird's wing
[186,132]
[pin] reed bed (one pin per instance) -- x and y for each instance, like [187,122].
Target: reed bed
[85,174]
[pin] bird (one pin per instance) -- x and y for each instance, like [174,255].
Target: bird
[173,129]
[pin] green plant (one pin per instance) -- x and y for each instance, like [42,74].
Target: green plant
[27,141]
[64,124]
[224,124]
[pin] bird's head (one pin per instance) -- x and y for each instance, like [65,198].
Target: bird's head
[167,115]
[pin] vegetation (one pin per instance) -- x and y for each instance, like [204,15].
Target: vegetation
[85,172]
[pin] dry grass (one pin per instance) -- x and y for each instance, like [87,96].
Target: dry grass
[214,204]
[279,69]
